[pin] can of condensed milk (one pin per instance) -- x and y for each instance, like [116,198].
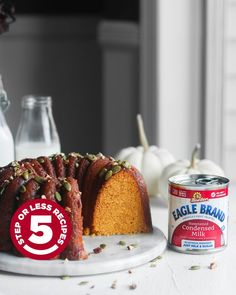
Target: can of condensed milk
[198,213]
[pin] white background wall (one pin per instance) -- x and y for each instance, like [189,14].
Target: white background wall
[229,94]
[179,79]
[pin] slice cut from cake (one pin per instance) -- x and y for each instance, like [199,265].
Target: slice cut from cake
[119,203]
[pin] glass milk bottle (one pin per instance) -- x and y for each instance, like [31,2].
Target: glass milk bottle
[6,139]
[37,134]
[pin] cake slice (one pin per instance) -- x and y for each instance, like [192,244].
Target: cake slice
[119,203]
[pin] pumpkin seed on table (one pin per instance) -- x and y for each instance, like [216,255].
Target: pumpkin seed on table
[102,246]
[153,265]
[156,259]
[65,277]
[82,283]
[195,267]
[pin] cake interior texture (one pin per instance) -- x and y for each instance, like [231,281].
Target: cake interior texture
[119,207]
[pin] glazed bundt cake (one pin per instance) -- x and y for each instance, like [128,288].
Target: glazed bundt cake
[102,196]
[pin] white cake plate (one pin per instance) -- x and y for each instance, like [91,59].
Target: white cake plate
[113,258]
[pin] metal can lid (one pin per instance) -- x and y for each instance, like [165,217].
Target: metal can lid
[195,180]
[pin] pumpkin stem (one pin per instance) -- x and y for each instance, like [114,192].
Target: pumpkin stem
[194,155]
[142,135]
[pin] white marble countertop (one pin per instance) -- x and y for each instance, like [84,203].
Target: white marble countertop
[170,275]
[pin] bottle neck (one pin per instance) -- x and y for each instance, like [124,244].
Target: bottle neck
[37,110]
[37,114]
[37,123]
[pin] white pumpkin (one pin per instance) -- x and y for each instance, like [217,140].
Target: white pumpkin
[149,160]
[195,166]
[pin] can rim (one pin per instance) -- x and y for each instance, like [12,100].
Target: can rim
[189,180]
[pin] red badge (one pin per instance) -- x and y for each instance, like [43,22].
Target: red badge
[40,229]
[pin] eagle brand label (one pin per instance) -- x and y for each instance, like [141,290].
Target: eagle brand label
[198,214]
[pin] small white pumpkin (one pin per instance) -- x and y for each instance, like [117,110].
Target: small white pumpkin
[195,166]
[149,160]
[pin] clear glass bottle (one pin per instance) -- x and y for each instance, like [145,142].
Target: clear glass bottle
[6,139]
[37,134]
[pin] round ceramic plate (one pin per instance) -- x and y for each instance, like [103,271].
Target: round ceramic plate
[113,258]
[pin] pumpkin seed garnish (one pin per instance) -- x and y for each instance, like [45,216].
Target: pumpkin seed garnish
[125,164]
[74,154]
[41,160]
[2,190]
[82,283]
[102,172]
[108,174]
[22,189]
[67,185]
[25,175]
[15,164]
[39,179]
[116,169]
[58,196]
[122,243]
[195,267]
[62,155]
[91,157]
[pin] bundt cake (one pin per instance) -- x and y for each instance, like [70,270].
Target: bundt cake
[101,195]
